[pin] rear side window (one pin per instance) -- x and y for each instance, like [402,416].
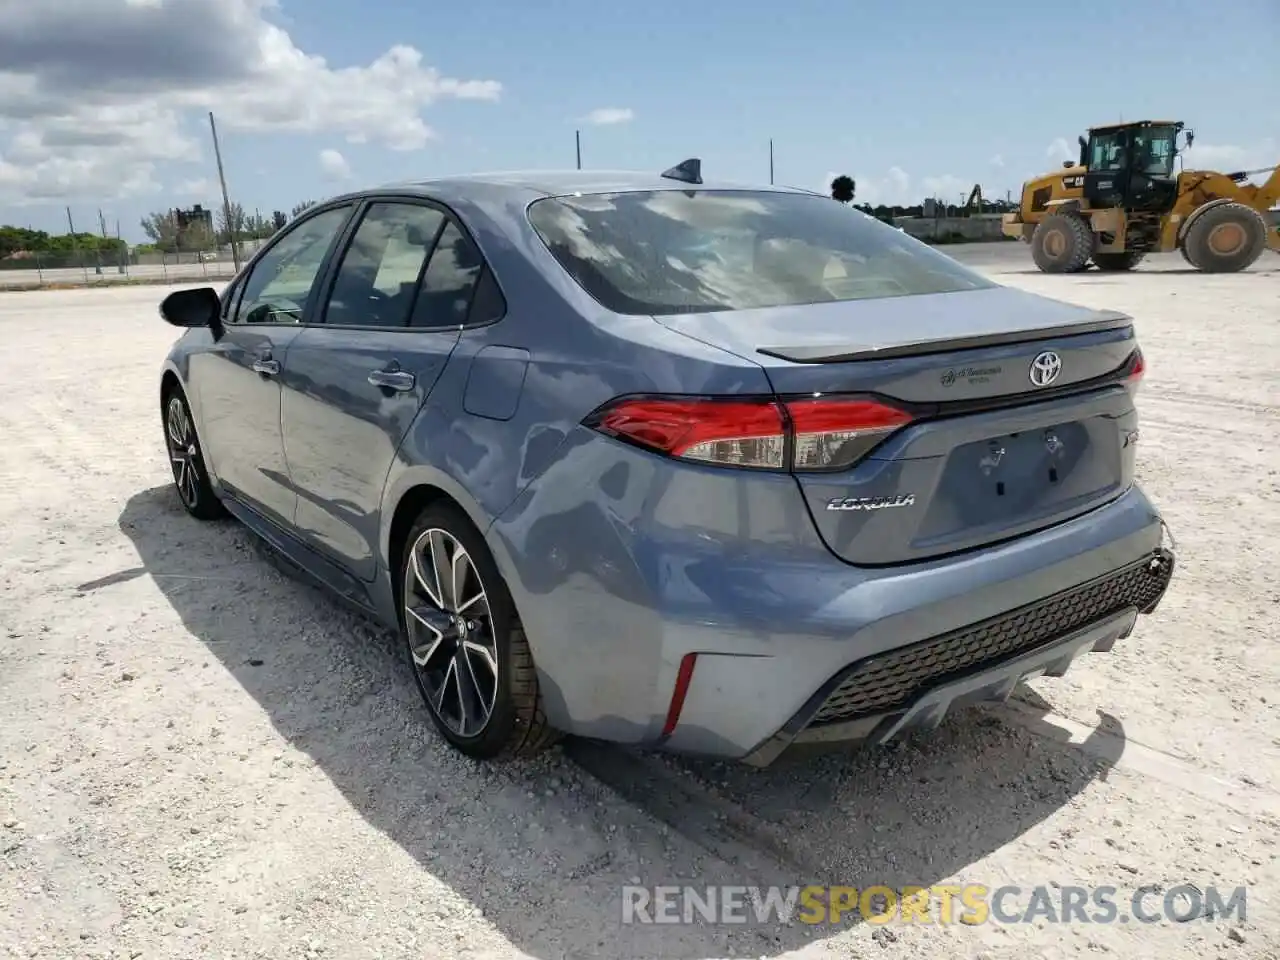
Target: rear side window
[692,251]
[450,279]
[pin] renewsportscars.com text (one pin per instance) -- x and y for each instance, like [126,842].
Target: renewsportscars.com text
[938,903]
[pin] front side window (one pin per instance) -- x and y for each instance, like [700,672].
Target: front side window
[1107,153]
[377,280]
[280,283]
[692,251]
[1154,148]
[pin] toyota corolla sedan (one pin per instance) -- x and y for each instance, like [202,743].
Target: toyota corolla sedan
[710,468]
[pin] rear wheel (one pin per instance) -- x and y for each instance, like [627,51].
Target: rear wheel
[1062,243]
[464,642]
[1225,239]
[186,459]
[1111,262]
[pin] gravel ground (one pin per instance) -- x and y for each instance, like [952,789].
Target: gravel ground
[202,757]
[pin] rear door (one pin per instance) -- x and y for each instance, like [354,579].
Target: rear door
[395,307]
[238,378]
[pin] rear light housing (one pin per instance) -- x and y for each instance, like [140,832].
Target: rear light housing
[810,434]
[1137,370]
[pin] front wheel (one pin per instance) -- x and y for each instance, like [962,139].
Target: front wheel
[186,460]
[464,642]
[1226,239]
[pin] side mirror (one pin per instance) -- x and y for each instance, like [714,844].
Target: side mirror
[1191,138]
[191,308]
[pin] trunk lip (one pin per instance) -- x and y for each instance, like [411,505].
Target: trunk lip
[1104,322]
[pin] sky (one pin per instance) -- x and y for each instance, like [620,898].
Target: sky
[104,103]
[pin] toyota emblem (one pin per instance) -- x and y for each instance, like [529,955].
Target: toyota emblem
[1045,368]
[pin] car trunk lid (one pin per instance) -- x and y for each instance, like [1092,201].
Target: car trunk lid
[1023,420]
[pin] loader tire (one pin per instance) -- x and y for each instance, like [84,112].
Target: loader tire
[1114,262]
[1226,239]
[1063,243]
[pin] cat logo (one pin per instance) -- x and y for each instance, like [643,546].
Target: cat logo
[1073,183]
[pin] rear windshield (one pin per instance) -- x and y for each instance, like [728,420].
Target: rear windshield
[692,251]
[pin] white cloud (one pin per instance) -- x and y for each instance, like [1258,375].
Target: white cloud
[1062,151]
[608,116]
[95,94]
[1229,158]
[196,188]
[334,165]
[998,161]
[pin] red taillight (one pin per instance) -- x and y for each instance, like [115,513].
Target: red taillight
[820,433]
[745,433]
[1139,366]
[1137,370]
[837,432]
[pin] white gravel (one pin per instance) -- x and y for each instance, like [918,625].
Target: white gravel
[202,757]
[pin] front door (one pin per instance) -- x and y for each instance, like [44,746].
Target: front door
[356,380]
[239,381]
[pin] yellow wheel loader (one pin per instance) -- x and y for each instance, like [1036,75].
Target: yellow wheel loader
[1124,199]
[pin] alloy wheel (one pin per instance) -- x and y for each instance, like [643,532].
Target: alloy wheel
[451,633]
[184,453]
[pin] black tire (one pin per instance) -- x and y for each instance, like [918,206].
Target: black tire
[1063,243]
[1115,262]
[515,724]
[1225,239]
[186,458]
[1186,255]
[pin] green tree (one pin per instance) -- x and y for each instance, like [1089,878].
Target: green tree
[18,240]
[162,229]
[237,224]
[301,208]
[197,236]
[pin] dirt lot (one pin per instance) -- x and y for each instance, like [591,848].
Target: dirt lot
[202,757]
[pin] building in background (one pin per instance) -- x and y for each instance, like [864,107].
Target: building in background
[196,215]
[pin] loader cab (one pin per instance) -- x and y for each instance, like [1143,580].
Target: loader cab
[1132,165]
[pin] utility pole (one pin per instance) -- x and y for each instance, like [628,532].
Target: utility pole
[75,247]
[226,200]
[102,223]
[771,161]
[577,140]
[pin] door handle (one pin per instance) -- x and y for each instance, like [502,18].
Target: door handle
[392,380]
[267,368]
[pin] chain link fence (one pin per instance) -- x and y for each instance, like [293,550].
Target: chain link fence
[36,270]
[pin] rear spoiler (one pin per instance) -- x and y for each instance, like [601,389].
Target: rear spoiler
[845,353]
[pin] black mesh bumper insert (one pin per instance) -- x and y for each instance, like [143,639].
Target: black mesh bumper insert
[891,680]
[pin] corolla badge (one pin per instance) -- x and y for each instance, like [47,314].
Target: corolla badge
[1045,368]
[871,503]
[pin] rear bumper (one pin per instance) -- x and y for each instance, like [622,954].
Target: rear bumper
[624,569]
[879,698]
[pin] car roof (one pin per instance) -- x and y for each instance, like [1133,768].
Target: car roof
[525,186]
